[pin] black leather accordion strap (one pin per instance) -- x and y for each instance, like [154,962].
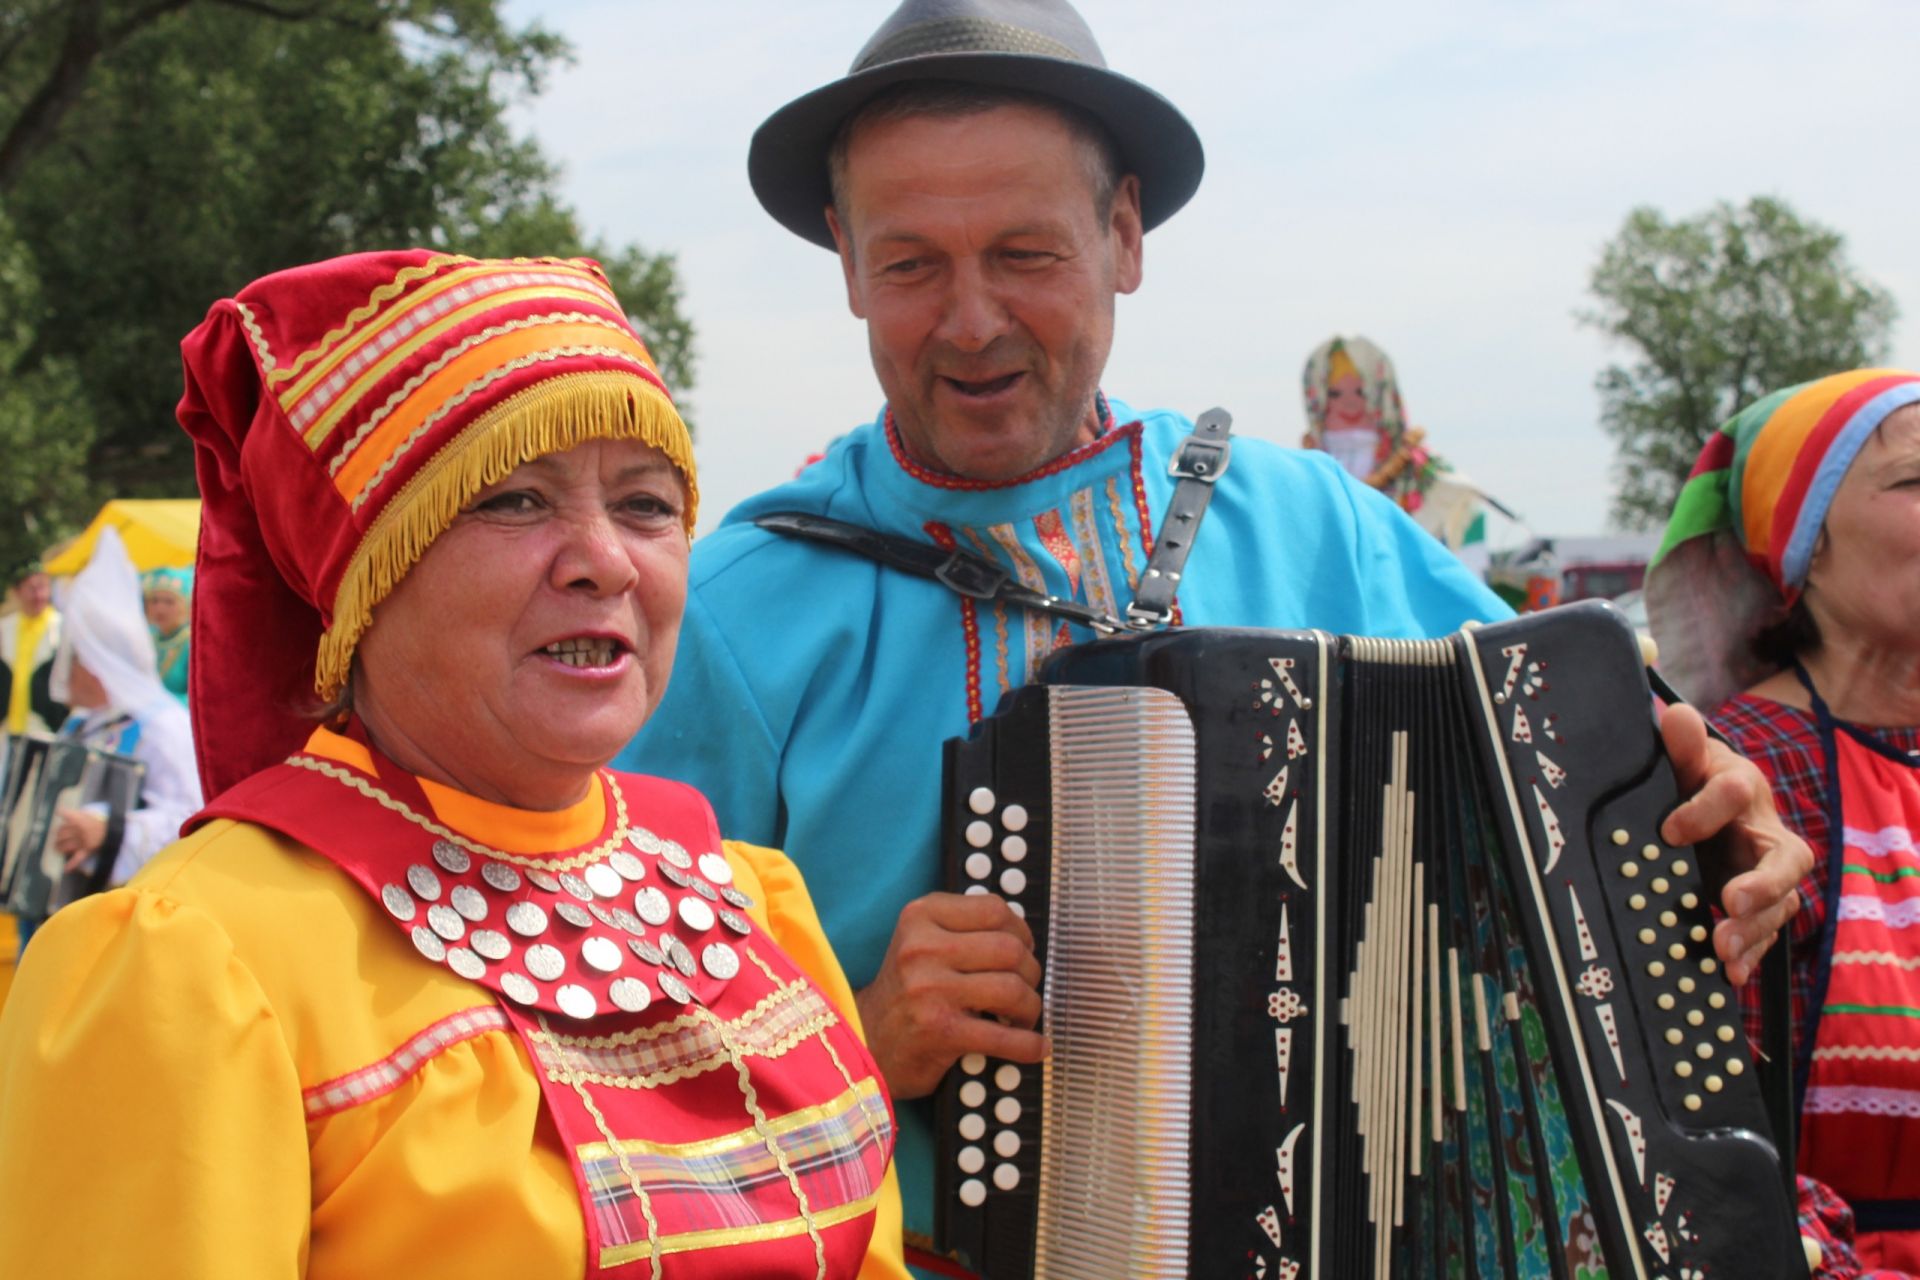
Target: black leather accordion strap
[969,575]
[1199,462]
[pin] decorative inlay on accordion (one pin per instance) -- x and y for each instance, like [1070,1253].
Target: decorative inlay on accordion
[1363,958]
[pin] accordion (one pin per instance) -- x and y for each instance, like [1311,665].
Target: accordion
[1363,958]
[40,776]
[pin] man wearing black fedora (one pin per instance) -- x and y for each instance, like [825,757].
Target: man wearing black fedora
[987,183]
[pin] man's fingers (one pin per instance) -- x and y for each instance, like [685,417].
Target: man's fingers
[1012,1043]
[1006,996]
[966,913]
[1724,798]
[1684,734]
[994,952]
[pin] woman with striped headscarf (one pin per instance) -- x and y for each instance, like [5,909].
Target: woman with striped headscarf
[1787,593]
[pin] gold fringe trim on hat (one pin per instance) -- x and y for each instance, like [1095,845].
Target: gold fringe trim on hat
[552,417]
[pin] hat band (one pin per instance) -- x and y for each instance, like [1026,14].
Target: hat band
[964,35]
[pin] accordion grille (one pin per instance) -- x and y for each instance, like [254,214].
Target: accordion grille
[1113,1197]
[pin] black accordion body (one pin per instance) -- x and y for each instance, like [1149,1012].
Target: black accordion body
[1363,958]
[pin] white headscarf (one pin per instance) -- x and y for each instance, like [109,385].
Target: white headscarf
[106,629]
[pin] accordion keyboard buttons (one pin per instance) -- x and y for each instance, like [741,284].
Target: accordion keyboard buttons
[972,1160]
[974,1063]
[973,1094]
[1014,817]
[1007,1110]
[973,1127]
[1014,848]
[1006,1143]
[979,866]
[1013,881]
[981,800]
[1006,1177]
[1007,1078]
[973,1193]
[979,834]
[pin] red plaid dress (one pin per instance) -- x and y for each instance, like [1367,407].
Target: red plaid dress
[1785,743]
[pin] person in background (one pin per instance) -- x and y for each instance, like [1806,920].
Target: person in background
[29,638]
[426,991]
[106,665]
[987,183]
[169,597]
[1354,412]
[1786,595]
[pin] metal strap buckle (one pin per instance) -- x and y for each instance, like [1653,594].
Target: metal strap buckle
[971,576]
[1201,460]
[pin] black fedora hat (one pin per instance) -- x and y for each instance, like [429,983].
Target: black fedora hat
[1037,46]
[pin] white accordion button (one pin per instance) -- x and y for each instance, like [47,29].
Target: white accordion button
[1013,880]
[1007,1078]
[1013,818]
[979,866]
[974,889]
[1013,848]
[1017,909]
[973,1126]
[1007,1110]
[979,834]
[973,1193]
[972,1160]
[981,800]
[974,1063]
[1006,1144]
[972,1093]
[1006,1177]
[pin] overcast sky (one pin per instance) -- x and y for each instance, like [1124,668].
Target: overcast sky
[1438,177]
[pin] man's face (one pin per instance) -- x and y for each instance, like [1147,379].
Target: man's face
[35,592]
[973,250]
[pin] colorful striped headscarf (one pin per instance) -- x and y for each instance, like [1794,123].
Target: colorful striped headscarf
[1742,534]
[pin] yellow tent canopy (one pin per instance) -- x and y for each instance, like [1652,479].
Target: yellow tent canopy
[160,533]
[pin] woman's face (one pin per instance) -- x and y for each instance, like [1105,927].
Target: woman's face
[166,612]
[535,635]
[1864,580]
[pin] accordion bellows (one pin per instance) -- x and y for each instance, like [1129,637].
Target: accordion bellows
[1363,958]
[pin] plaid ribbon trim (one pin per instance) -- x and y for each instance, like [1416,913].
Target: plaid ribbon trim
[731,1190]
[384,1076]
[687,1046]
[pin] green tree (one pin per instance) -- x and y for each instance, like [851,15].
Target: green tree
[42,417]
[1718,310]
[212,141]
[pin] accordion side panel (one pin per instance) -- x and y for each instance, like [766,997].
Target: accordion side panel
[1666,1105]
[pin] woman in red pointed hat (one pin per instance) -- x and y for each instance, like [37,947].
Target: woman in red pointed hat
[427,990]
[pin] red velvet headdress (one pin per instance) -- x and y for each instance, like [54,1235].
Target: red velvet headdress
[343,413]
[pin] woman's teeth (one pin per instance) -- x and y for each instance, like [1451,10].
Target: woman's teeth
[584,651]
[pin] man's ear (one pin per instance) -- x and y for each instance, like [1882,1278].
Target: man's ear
[1123,223]
[843,242]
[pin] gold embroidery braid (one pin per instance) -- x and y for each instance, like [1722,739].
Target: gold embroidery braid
[626,1168]
[1120,529]
[252,326]
[743,1024]
[378,796]
[826,1042]
[752,1099]
[474,388]
[446,358]
[366,311]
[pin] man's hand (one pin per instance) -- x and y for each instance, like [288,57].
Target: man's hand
[960,977]
[1730,806]
[77,834]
